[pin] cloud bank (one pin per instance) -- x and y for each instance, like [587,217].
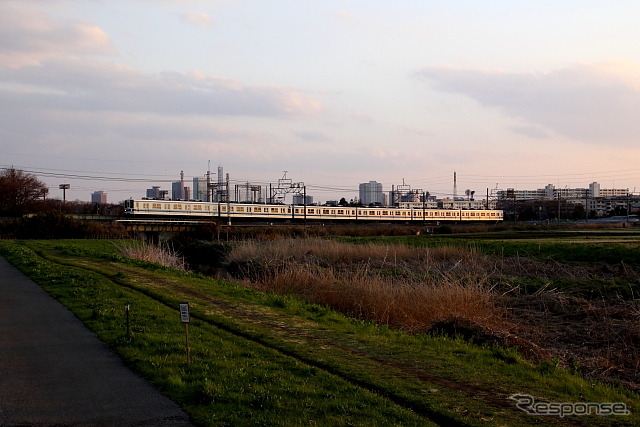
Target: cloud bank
[50,64]
[75,84]
[595,103]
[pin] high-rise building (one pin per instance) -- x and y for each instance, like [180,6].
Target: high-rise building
[300,199]
[200,189]
[371,193]
[179,191]
[98,197]
[153,192]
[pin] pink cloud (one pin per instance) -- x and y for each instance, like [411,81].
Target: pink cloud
[198,19]
[30,36]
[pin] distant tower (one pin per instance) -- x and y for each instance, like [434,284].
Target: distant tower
[455,186]
[182,195]
[220,188]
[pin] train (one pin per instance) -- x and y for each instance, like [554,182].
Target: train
[178,209]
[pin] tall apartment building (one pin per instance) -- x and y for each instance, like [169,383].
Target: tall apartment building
[200,189]
[98,197]
[371,193]
[299,199]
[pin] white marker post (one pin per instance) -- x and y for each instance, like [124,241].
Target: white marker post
[184,317]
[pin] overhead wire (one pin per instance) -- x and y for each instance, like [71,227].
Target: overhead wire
[436,185]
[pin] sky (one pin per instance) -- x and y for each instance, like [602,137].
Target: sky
[122,95]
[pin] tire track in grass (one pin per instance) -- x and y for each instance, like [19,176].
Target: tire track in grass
[487,395]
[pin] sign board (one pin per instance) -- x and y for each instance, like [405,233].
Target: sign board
[184,312]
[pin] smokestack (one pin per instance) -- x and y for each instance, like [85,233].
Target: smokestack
[455,186]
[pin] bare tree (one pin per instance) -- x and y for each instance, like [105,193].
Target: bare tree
[19,191]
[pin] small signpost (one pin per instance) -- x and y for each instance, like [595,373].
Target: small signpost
[184,317]
[126,311]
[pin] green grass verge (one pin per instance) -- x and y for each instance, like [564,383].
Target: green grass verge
[274,360]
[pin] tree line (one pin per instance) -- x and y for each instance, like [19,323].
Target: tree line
[23,193]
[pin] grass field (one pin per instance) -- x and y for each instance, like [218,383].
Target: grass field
[264,358]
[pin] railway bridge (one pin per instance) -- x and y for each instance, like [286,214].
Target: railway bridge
[148,225]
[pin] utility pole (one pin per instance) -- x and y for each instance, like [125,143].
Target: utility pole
[228,203]
[586,205]
[558,206]
[304,203]
[209,181]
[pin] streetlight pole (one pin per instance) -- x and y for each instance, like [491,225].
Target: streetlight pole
[64,188]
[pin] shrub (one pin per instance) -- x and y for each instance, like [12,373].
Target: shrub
[410,288]
[161,253]
[56,225]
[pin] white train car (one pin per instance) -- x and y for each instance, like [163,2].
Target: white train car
[247,211]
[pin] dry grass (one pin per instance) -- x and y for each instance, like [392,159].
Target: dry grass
[161,253]
[409,288]
[600,338]
[455,290]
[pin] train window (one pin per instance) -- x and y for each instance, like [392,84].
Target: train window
[372,212]
[385,213]
[257,209]
[297,210]
[311,211]
[333,211]
[177,206]
[340,211]
[274,210]
[239,208]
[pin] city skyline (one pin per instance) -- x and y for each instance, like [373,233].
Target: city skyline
[114,96]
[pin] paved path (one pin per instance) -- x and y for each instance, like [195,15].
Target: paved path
[54,371]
